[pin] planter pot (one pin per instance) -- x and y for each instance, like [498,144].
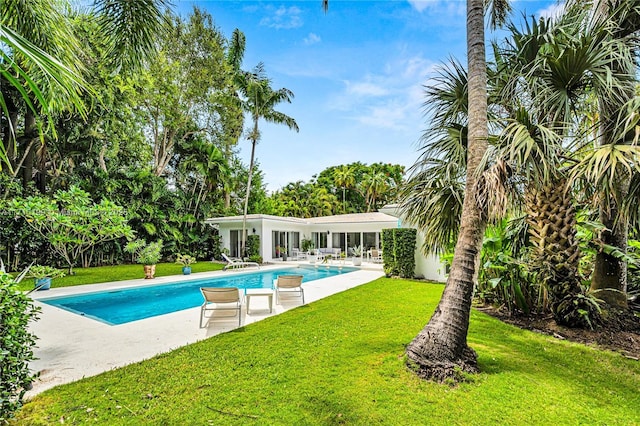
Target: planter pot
[43,283]
[149,271]
[186,270]
[357,261]
[284,257]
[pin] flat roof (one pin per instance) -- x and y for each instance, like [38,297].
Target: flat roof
[341,218]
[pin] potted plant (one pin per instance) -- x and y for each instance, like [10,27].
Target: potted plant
[283,252]
[357,255]
[43,275]
[186,261]
[147,255]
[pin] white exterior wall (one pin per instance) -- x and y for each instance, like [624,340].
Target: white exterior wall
[428,267]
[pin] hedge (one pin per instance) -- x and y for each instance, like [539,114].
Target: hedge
[398,252]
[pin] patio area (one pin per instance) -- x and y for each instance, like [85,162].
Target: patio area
[70,346]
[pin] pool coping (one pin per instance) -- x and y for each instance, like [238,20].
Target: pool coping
[70,347]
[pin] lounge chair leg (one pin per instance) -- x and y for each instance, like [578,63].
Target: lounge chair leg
[201,317]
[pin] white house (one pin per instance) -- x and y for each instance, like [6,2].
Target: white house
[328,232]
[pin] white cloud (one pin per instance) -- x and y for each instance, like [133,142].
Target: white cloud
[365,88]
[441,7]
[552,11]
[312,39]
[391,114]
[419,5]
[391,99]
[283,18]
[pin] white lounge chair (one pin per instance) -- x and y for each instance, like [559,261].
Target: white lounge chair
[289,284]
[236,263]
[220,299]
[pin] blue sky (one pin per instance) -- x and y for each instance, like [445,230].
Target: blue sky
[357,73]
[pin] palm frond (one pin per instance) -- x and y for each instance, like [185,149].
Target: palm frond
[431,200]
[132,28]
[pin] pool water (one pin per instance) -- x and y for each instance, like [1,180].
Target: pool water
[131,304]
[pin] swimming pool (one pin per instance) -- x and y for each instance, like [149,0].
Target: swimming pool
[120,306]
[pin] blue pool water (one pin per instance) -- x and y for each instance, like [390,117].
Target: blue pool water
[132,304]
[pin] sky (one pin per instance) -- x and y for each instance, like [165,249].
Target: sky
[357,73]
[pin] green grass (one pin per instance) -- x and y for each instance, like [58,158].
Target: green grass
[341,361]
[103,274]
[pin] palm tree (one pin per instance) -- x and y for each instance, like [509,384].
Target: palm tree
[344,177]
[440,350]
[609,278]
[374,184]
[556,65]
[259,100]
[235,55]
[431,199]
[39,62]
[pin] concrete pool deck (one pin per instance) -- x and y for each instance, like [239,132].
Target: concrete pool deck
[71,346]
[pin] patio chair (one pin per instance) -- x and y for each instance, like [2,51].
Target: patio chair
[237,263]
[289,284]
[220,299]
[376,256]
[299,255]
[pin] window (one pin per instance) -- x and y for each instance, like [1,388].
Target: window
[281,239]
[319,239]
[338,241]
[235,242]
[371,240]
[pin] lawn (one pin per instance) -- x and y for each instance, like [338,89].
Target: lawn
[103,274]
[340,361]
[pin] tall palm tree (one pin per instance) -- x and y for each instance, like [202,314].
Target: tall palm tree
[440,350]
[556,66]
[374,183]
[259,100]
[344,178]
[609,279]
[235,56]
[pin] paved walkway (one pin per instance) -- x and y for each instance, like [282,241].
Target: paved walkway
[70,346]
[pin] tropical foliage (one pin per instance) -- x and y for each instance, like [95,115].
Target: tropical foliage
[160,142]
[348,188]
[548,163]
[16,346]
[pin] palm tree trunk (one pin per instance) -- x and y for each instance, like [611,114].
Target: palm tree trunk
[609,280]
[29,129]
[556,254]
[254,141]
[440,351]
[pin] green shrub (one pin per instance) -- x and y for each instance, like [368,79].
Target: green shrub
[216,247]
[405,248]
[253,246]
[306,244]
[16,346]
[255,258]
[146,254]
[398,252]
[388,256]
